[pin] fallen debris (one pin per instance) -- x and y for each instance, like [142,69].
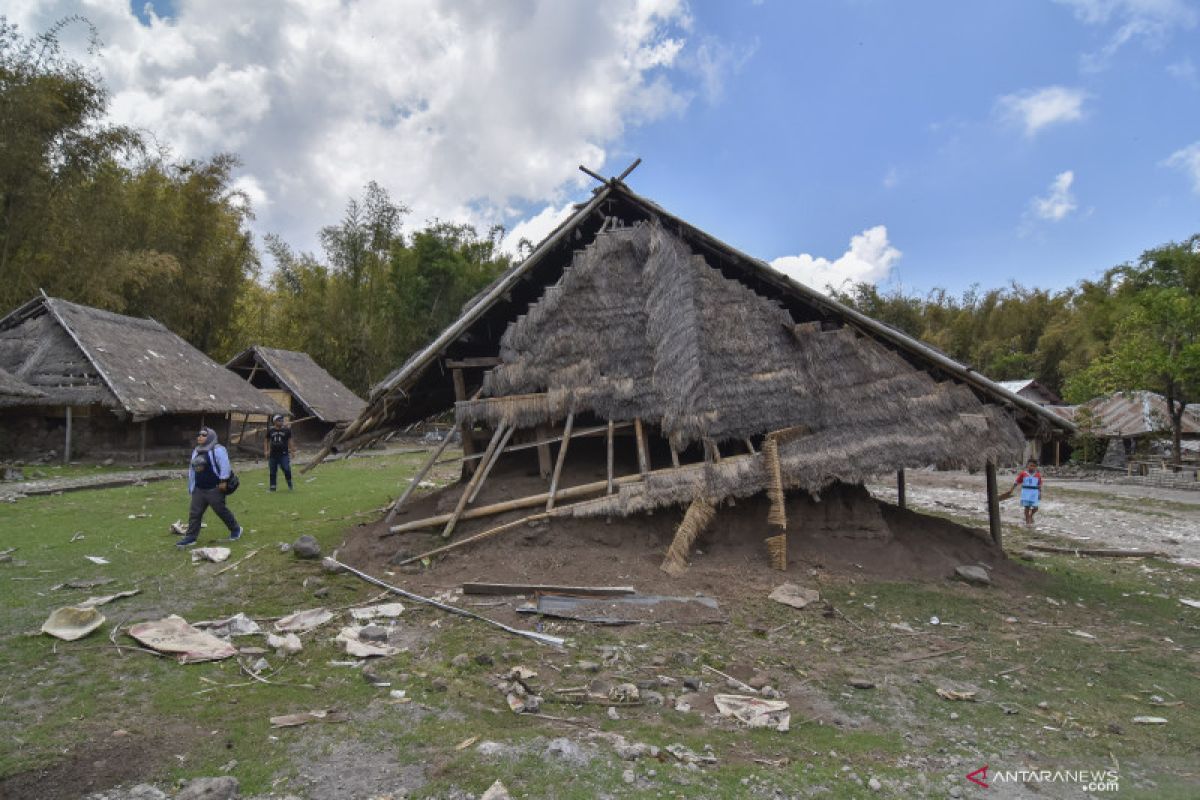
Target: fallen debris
[973,574]
[1190,603]
[861,683]
[755,711]
[537,637]
[98,560]
[305,717]
[630,609]
[92,602]
[496,792]
[289,644]
[745,687]
[239,562]
[174,635]
[72,622]
[302,621]
[541,588]
[237,625]
[1149,720]
[354,646]
[688,756]
[792,595]
[85,583]
[214,554]
[386,610]
[1083,634]
[955,694]
[1098,552]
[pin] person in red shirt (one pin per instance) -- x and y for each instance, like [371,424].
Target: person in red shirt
[1029,481]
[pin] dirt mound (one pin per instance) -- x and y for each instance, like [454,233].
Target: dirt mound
[844,531]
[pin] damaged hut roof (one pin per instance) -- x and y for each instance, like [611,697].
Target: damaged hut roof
[1133,414]
[78,355]
[14,391]
[420,387]
[319,394]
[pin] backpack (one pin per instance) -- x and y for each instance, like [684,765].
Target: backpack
[232,482]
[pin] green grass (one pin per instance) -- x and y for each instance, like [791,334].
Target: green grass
[61,696]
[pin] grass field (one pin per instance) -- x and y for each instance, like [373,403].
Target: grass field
[79,716]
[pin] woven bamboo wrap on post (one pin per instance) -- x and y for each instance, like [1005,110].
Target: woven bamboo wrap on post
[777,550]
[777,516]
[699,514]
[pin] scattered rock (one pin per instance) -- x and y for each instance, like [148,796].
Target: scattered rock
[653,698]
[222,788]
[484,660]
[460,661]
[331,566]
[771,693]
[496,791]
[1043,705]
[759,680]
[563,748]
[861,683]
[588,666]
[973,574]
[694,684]
[144,791]
[875,784]
[612,713]
[306,547]
[628,776]
[440,684]
[321,592]
[632,752]
[373,633]
[284,645]
[955,791]
[792,595]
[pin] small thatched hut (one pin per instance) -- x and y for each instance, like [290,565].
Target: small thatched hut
[316,401]
[628,320]
[81,381]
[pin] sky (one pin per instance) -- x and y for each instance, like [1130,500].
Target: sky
[913,145]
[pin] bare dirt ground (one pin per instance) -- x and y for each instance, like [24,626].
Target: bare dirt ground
[1090,513]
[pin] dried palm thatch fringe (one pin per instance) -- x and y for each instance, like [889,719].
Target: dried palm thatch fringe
[777,516]
[777,550]
[699,514]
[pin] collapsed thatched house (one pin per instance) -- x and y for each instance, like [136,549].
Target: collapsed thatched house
[628,320]
[104,383]
[316,401]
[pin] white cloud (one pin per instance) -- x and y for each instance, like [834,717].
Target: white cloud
[468,111]
[869,259]
[1187,159]
[535,228]
[1183,70]
[1058,202]
[891,178]
[1035,109]
[1150,21]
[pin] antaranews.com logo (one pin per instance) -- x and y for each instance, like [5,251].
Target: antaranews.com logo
[1089,780]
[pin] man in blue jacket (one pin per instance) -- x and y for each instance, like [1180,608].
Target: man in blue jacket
[207,473]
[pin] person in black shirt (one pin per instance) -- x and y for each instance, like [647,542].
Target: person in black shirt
[279,449]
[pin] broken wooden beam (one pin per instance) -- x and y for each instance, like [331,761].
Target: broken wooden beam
[1097,552]
[643,456]
[416,479]
[482,362]
[562,456]
[487,468]
[475,480]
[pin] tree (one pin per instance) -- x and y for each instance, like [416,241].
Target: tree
[1156,342]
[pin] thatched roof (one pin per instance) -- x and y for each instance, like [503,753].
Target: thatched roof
[419,387]
[318,393]
[14,391]
[77,355]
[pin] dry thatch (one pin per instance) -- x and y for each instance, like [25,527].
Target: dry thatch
[77,355]
[317,393]
[14,391]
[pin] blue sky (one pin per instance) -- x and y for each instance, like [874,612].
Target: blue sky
[912,144]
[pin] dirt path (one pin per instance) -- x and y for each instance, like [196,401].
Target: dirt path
[1099,514]
[11,492]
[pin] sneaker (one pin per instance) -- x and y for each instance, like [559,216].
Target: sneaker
[272,488]
[233,537]
[186,541]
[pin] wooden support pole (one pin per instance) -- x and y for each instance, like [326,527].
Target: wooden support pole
[487,468]
[562,456]
[142,443]
[543,451]
[993,500]
[674,455]
[471,484]
[491,532]
[67,444]
[749,446]
[416,479]
[1058,452]
[464,431]
[643,456]
[610,457]
[900,498]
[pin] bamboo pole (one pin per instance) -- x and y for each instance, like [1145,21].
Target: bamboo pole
[643,457]
[487,468]
[420,476]
[464,430]
[562,456]
[489,532]
[674,455]
[543,452]
[462,500]
[610,457]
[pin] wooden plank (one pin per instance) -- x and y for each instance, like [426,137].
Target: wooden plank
[1098,552]
[471,484]
[610,458]
[543,452]
[643,457]
[473,363]
[487,468]
[416,479]
[993,500]
[464,431]
[543,588]
[900,498]
[562,456]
